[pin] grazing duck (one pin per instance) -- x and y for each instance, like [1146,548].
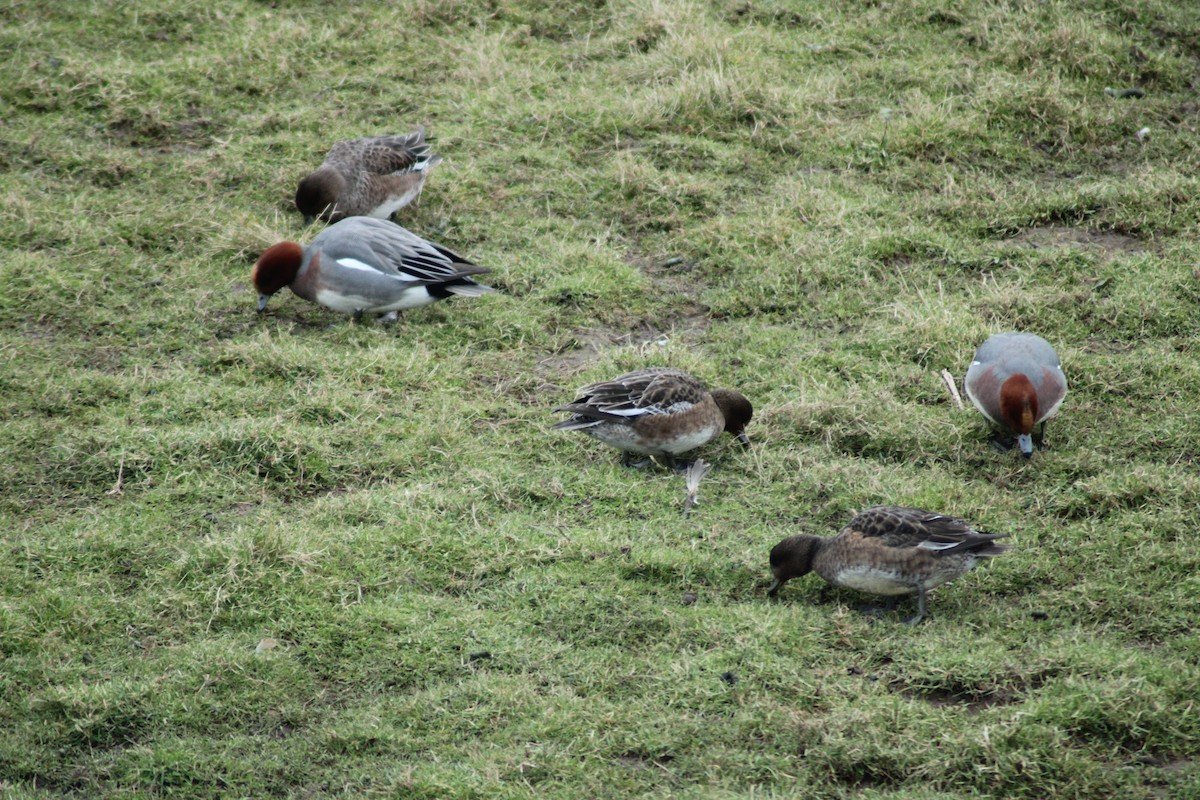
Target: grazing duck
[887,550]
[1016,381]
[364,265]
[370,177]
[656,412]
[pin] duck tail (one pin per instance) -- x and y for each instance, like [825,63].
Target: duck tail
[469,289]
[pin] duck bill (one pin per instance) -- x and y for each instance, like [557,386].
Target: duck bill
[309,219]
[774,588]
[743,439]
[263,299]
[1025,442]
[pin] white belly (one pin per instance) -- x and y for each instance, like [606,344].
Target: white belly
[625,437]
[345,303]
[349,303]
[389,207]
[873,581]
[412,298]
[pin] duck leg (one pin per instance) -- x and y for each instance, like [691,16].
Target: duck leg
[878,611]
[1002,443]
[920,615]
[627,461]
[668,461]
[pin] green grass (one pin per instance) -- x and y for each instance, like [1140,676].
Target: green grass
[285,555]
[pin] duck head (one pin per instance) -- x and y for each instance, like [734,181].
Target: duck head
[1019,409]
[318,194]
[737,411]
[792,558]
[275,269]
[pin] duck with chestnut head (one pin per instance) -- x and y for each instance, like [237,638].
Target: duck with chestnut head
[1016,381]
[362,266]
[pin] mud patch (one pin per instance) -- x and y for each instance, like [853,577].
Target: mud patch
[583,346]
[674,282]
[672,275]
[1166,763]
[1108,244]
[640,759]
[972,702]
[1098,345]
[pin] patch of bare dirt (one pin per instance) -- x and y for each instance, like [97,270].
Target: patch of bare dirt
[1107,243]
[635,758]
[674,275]
[676,281]
[1098,345]
[943,698]
[586,344]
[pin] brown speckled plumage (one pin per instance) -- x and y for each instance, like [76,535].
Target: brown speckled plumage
[372,176]
[657,411]
[887,550]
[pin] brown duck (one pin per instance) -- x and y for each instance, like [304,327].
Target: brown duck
[659,411]
[889,551]
[370,177]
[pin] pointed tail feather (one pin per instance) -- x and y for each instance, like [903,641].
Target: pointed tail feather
[469,289]
[586,416]
[979,543]
[428,163]
[575,424]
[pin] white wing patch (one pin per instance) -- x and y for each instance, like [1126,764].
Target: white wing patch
[628,412]
[929,544]
[354,263]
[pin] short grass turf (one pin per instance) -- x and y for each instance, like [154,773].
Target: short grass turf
[286,555]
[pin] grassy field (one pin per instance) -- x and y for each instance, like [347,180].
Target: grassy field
[286,555]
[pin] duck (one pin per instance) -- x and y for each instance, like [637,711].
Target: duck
[365,265]
[890,551]
[1016,381]
[374,176]
[659,412]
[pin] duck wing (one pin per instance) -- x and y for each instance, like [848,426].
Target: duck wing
[381,155]
[900,527]
[656,390]
[393,250]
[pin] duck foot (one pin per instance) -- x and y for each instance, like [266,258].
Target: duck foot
[1002,444]
[869,610]
[627,461]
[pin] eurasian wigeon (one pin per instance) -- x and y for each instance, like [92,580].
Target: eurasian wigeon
[371,177]
[364,265]
[887,550]
[657,411]
[1016,381]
